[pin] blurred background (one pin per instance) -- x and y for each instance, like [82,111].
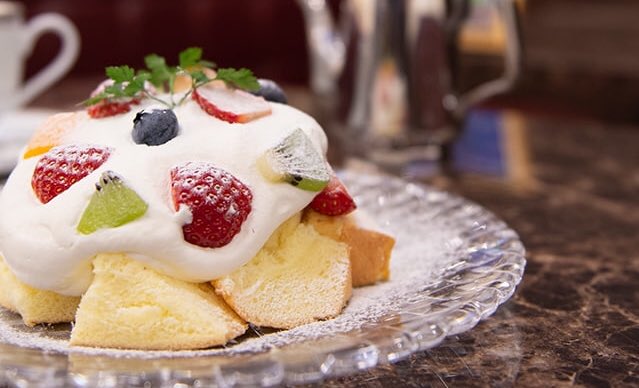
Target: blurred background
[555,156]
[581,56]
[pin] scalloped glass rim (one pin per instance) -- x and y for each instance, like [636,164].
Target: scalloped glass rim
[489,263]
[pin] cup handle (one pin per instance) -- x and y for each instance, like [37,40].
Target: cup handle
[512,63]
[70,38]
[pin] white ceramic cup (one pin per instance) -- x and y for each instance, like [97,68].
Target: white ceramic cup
[17,39]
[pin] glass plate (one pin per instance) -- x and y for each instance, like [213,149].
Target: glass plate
[454,263]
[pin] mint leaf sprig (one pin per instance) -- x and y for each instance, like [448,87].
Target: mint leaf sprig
[127,83]
[191,63]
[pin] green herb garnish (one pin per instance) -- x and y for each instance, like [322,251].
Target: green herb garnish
[242,78]
[128,83]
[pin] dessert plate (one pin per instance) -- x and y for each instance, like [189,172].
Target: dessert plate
[453,265]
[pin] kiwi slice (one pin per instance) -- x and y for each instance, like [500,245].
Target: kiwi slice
[295,161]
[113,204]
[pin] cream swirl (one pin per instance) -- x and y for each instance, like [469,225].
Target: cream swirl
[40,242]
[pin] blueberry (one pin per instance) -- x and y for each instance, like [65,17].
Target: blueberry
[271,91]
[154,127]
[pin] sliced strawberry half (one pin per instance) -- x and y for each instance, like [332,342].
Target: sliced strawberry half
[218,201]
[63,166]
[110,108]
[231,105]
[334,200]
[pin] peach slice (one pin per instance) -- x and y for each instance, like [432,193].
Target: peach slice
[50,134]
[182,82]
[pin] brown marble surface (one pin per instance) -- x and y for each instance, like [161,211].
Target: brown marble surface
[574,320]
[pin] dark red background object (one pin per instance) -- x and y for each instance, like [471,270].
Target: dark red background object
[267,36]
[584,65]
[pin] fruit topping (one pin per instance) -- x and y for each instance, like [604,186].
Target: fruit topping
[63,166]
[271,91]
[218,201]
[231,105]
[49,134]
[154,127]
[110,108]
[296,161]
[106,107]
[334,200]
[184,81]
[126,86]
[113,204]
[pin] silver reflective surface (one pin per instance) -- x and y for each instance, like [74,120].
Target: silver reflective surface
[387,74]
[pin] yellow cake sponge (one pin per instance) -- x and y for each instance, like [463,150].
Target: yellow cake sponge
[129,305]
[298,277]
[35,306]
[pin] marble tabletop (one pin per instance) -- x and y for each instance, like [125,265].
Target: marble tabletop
[574,319]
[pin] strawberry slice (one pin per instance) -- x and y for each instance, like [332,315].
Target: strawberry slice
[219,203]
[334,200]
[110,108]
[63,166]
[231,105]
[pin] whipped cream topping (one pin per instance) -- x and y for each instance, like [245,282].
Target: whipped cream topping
[41,245]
